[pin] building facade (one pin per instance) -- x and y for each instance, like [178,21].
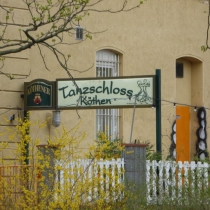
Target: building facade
[165,35]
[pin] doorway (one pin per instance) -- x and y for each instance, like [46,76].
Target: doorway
[189,94]
[182,133]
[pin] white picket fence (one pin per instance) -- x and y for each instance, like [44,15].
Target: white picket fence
[175,181]
[164,179]
[102,176]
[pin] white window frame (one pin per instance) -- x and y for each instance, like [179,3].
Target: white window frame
[107,120]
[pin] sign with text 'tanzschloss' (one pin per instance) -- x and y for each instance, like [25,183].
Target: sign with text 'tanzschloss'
[96,93]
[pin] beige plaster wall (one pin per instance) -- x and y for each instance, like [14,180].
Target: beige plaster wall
[151,37]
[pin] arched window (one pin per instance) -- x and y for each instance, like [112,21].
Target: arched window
[107,120]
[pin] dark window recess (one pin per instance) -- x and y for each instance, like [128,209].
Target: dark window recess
[79,33]
[179,70]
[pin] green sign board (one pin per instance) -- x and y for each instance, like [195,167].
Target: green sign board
[39,94]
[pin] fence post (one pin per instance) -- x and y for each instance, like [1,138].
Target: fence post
[47,174]
[135,165]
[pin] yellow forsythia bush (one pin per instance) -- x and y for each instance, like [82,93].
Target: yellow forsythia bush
[105,148]
[52,177]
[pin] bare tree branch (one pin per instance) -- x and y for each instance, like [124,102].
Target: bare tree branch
[206,46]
[49,21]
[42,57]
[207,36]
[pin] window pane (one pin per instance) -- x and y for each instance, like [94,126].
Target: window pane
[107,64]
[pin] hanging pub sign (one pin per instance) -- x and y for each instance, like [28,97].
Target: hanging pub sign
[96,93]
[39,94]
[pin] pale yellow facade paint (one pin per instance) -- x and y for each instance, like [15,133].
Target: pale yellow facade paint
[154,36]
